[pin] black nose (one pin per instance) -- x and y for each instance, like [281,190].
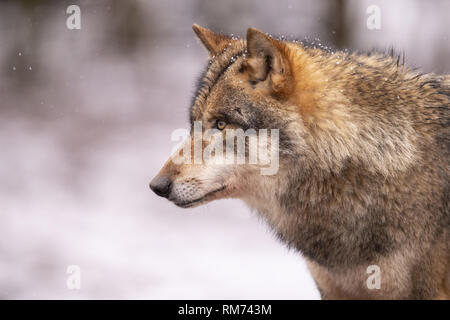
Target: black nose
[161,186]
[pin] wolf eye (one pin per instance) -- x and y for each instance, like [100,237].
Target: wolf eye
[221,124]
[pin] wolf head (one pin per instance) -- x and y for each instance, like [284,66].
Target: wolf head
[242,95]
[299,93]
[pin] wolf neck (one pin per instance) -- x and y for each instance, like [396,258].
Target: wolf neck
[355,177]
[325,218]
[332,202]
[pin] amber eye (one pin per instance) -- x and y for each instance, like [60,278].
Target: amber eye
[221,124]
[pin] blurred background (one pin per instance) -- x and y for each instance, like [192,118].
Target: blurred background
[85,123]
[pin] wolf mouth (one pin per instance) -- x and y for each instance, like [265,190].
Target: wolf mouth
[192,203]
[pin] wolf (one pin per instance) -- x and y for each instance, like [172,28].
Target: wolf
[363,178]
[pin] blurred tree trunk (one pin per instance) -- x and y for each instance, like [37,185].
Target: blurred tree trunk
[337,22]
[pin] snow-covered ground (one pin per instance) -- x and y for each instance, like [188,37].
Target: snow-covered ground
[127,242]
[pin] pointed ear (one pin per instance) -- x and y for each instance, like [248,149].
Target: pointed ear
[266,60]
[214,42]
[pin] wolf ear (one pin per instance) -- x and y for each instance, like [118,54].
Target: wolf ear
[214,42]
[266,61]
